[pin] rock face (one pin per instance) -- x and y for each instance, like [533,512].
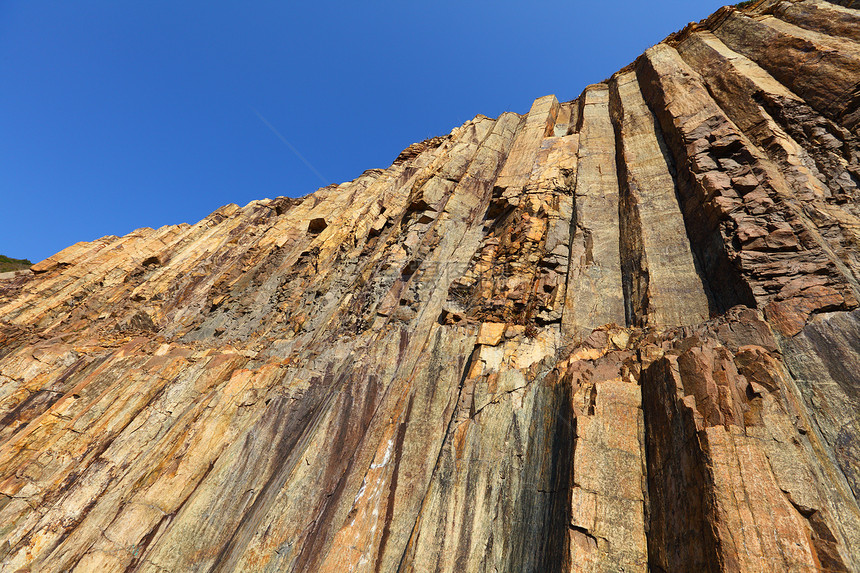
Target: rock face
[619,333]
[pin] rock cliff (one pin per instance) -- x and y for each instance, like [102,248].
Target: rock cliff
[619,333]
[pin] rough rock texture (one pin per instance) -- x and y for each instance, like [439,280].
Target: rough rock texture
[619,333]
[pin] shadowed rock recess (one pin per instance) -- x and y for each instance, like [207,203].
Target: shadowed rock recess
[619,333]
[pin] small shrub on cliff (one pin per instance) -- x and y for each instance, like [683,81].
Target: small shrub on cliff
[8,264]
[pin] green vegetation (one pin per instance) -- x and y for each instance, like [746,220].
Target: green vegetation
[7,264]
[746,4]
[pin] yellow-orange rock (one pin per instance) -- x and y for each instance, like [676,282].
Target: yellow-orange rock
[618,333]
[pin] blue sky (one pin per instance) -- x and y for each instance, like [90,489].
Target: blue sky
[141,113]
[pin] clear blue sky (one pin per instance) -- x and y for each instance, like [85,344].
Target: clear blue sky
[140,113]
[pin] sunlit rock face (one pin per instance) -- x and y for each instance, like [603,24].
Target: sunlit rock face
[618,333]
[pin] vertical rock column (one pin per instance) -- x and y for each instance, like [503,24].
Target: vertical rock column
[662,286]
[518,273]
[607,496]
[594,294]
[822,69]
[736,481]
[552,190]
[520,162]
[815,156]
[694,128]
[734,197]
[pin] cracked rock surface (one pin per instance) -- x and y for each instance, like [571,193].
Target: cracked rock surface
[619,333]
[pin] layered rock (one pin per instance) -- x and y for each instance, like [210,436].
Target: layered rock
[615,334]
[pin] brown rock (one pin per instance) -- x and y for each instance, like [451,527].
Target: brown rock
[715,183]
[491,333]
[745,183]
[789,316]
[532,344]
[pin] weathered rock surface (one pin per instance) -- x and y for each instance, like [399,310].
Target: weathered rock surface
[615,334]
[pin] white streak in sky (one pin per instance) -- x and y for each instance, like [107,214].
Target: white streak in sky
[290,145]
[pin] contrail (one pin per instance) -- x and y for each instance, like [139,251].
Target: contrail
[290,145]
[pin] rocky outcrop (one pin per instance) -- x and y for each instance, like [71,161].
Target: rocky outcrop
[614,334]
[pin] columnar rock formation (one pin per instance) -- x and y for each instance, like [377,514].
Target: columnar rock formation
[618,333]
